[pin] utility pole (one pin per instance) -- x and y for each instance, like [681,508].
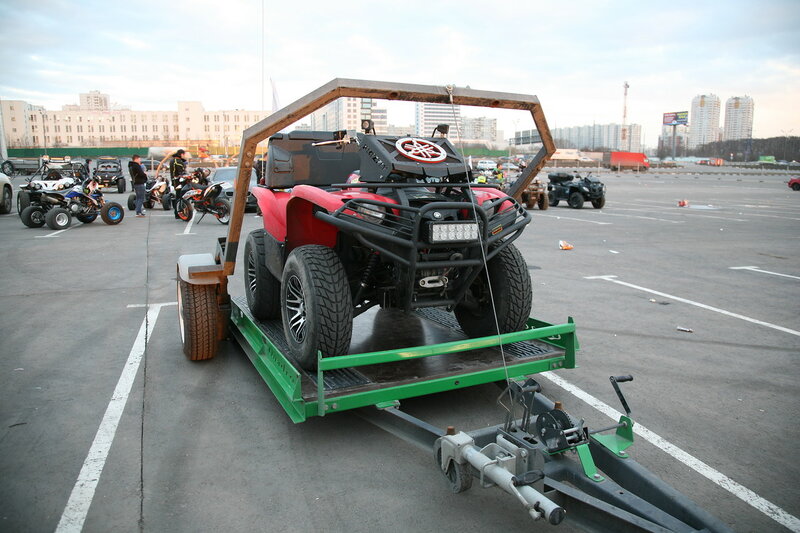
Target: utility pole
[625,133]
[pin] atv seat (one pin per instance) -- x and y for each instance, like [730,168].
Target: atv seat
[560,177]
[294,160]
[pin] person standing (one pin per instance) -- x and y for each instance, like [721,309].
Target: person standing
[139,179]
[177,168]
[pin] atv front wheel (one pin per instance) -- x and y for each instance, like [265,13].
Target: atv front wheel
[544,202]
[198,317]
[551,196]
[796,187]
[511,288]
[166,201]
[33,216]
[132,201]
[263,289]
[23,201]
[317,307]
[600,203]
[58,218]
[575,200]
[120,185]
[112,213]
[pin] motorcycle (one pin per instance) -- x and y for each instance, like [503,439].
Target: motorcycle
[85,202]
[157,191]
[197,194]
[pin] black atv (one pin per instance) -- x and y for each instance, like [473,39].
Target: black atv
[564,186]
[109,173]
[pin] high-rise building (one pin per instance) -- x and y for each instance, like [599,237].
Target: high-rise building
[342,114]
[94,100]
[738,118]
[380,120]
[600,136]
[429,115]
[704,120]
[477,129]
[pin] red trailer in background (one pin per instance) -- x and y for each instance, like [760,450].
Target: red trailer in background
[626,161]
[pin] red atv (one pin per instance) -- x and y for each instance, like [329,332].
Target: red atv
[794,184]
[411,233]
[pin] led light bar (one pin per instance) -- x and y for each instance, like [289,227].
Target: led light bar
[452,232]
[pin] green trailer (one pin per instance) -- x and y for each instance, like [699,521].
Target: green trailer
[556,466]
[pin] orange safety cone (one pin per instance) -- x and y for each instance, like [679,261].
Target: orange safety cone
[564,245]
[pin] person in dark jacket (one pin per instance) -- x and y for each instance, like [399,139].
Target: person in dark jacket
[139,179]
[177,168]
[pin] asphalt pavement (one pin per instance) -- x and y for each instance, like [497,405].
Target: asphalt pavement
[206,447]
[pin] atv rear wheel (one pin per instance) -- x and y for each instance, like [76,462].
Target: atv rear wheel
[552,200]
[58,218]
[316,305]
[166,201]
[262,288]
[575,200]
[132,201]
[33,216]
[511,288]
[599,203]
[112,213]
[198,317]
[796,187]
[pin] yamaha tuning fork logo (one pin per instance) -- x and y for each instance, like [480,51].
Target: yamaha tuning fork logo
[420,150]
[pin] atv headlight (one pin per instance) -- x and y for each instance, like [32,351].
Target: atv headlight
[371,213]
[585,189]
[452,232]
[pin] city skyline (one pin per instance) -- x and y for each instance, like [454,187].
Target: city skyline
[574,63]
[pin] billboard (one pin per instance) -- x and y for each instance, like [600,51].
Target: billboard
[676,118]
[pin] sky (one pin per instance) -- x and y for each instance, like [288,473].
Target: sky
[574,55]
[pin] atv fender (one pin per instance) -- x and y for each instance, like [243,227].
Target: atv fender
[273,210]
[484,195]
[307,228]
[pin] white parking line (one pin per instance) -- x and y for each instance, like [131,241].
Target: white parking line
[188,228]
[578,219]
[756,269]
[83,492]
[642,217]
[54,233]
[612,279]
[740,491]
[687,212]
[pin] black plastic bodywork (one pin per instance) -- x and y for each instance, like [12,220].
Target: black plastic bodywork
[108,171]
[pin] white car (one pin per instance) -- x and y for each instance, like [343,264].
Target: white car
[486,164]
[7,194]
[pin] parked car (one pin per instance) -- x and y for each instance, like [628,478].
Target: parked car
[6,195]
[486,164]
[564,186]
[794,184]
[109,173]
[229,174]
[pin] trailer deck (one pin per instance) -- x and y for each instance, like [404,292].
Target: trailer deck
[395,356]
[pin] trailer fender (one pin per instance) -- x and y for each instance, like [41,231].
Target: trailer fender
[273,210]
[196,261]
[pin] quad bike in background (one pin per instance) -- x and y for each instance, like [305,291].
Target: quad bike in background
[109,173]
[576,190]
[85,202]
[157,191]
[197,194]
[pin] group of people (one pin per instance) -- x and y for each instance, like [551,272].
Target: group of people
[177,173]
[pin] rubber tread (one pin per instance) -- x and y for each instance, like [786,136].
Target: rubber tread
[331,304]
[265,304]
[200,320]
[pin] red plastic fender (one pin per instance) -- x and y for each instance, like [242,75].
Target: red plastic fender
[485,194]
[273,210]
